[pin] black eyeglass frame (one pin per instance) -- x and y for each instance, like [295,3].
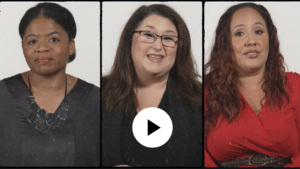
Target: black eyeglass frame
[157,37]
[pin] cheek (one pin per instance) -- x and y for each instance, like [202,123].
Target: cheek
[264,44]
[138,51]
[237,46]
[171,53]
[62,52]
[28,53]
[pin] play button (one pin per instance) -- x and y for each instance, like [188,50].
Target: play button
[152,127]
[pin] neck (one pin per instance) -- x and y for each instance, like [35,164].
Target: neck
[251,80]
[47,84]
[157,82]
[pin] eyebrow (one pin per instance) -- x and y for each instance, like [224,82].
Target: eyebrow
[167,31]
[256,23]
[54,32]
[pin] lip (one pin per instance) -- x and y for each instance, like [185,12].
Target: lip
[43,60]
[155,60]
[251,53]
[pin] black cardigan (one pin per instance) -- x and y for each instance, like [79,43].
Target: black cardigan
[185,147]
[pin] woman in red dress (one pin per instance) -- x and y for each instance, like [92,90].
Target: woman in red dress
[252,106]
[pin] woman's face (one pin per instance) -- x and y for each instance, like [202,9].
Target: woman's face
[153,59]
[46,46]
[250,40]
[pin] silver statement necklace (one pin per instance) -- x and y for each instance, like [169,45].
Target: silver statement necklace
[39,117]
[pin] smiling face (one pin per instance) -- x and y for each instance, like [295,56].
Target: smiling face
[46,46]
[153,59]
[250,40]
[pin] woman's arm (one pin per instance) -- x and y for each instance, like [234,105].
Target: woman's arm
[295,84]
[296,158]
[208,161]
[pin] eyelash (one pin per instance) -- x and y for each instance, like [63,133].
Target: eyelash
[55,40]
[238,34]
[258,32]
[261,32]
[30,42]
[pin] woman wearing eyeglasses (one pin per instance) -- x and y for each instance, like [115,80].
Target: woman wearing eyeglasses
[153,67]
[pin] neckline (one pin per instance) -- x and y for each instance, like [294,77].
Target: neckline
[19,77]
[247,104]
[163,98]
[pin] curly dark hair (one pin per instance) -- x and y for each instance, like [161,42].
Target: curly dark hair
[120,83]
[221,76]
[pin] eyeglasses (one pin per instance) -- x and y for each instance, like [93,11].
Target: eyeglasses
[149,37]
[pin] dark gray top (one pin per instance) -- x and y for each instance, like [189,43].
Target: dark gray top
[184,148]
[135,154]
[76,141]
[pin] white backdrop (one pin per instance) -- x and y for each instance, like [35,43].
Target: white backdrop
[116,14]
[285,16]
[86,65]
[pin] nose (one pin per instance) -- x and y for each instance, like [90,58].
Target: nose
[251,40]
[42,46]
[157,45]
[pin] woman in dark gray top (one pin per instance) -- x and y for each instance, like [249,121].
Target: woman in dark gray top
[47,117]
[153,67]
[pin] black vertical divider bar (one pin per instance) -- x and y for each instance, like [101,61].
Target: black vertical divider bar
[203,56]
[101,2]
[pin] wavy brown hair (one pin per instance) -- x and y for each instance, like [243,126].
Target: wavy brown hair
[221,76]
[119,85]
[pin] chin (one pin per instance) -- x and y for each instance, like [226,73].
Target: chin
[255,66]
[251,69]
[154,73]
[46,71]
[153,69]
